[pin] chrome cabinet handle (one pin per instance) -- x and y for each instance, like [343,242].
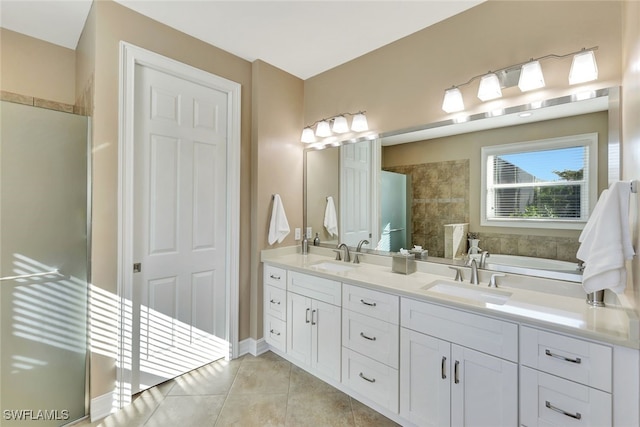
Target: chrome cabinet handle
[313,315]
[366,337]
[274,277]
[370,304]
[274,332]
[456,368]
[306,316]
[275,302]
[371,380]
[443,368]
[567,359]
[576,416]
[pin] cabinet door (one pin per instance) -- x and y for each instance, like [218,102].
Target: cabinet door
[325,341]
[484,391]
[299,328]
[425,379]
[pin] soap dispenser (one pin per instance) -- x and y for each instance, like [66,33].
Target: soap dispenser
[305,245]
[316,241]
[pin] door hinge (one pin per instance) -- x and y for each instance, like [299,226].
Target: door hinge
[137,267]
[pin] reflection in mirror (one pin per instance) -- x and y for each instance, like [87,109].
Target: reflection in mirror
[441,161]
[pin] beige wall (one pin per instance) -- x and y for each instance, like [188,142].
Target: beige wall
[276,166]
[112,23]
[36,68]
[631,125]
[402,84]
[468,146]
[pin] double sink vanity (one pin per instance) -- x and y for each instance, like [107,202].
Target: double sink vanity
[425,350]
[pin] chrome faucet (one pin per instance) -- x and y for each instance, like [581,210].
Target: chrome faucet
[356,259]
[347,256]
[474,272]
[483,258]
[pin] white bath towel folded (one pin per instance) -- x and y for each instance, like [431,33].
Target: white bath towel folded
[279,226]
[331,218]
[605,242]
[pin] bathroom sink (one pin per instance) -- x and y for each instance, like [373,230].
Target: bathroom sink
[332,267]
[480,293]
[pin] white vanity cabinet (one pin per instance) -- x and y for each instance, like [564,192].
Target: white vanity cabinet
[275,307]
[370,340]
[458,368]
[564,380]
[313,323]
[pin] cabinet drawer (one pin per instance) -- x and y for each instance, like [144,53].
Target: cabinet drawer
[491,336]
[373,380]
[318,288]
[275,276]
[546,400]
[275,333]
[372,303]
[275,302]
[571,358]
[377,339]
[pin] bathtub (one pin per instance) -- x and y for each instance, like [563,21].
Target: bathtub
[541,267]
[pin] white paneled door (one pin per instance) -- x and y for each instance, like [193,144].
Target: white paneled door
[179,293]
[355,192]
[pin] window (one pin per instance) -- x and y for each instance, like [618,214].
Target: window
[549,183]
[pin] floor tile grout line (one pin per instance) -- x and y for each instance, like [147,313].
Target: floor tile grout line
[226,397]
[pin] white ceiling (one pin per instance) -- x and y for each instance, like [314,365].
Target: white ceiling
[301,37]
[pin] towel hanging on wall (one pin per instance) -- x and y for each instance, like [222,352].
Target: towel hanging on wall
[605,242]
[330,217]
[279,226]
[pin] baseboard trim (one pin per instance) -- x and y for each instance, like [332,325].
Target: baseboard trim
[252,347]
[102,406]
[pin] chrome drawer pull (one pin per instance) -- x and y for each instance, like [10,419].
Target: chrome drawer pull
[576,360]
[306,316]
[576,416]
[275,302]
[443,368]
[367,379]
[370,304]
[366,337]
[456,378]
[313,314]
[274,332]
[274,277]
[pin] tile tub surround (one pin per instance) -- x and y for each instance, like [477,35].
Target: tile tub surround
[249,391]
[440,196]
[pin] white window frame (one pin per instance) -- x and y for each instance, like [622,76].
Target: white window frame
[589,140]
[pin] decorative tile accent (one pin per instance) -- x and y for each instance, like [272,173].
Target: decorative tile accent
[16,98]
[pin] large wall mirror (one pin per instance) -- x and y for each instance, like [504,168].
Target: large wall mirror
[423,186]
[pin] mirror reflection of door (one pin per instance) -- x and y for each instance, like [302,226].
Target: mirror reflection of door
[395,212]
[355,192]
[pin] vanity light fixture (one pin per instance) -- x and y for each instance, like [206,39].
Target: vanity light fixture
[453,100]
[527,75]
[583,67]
[325,128]
[489,87]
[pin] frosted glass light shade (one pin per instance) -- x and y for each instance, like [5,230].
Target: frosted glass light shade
[531,76]
[583,68]
[340,124]
[307,135]
[452,100]
[323,129]
[359,123]
[489,87]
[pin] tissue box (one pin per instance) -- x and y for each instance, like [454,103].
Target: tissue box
[404,264]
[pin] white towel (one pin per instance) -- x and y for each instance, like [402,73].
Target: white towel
[605,242]
[279,226]
[330,217]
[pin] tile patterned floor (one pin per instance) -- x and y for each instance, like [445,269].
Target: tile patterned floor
[250,391]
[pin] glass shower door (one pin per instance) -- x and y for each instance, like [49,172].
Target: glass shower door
[43,266]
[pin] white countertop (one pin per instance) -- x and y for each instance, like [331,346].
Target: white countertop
[563,310]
